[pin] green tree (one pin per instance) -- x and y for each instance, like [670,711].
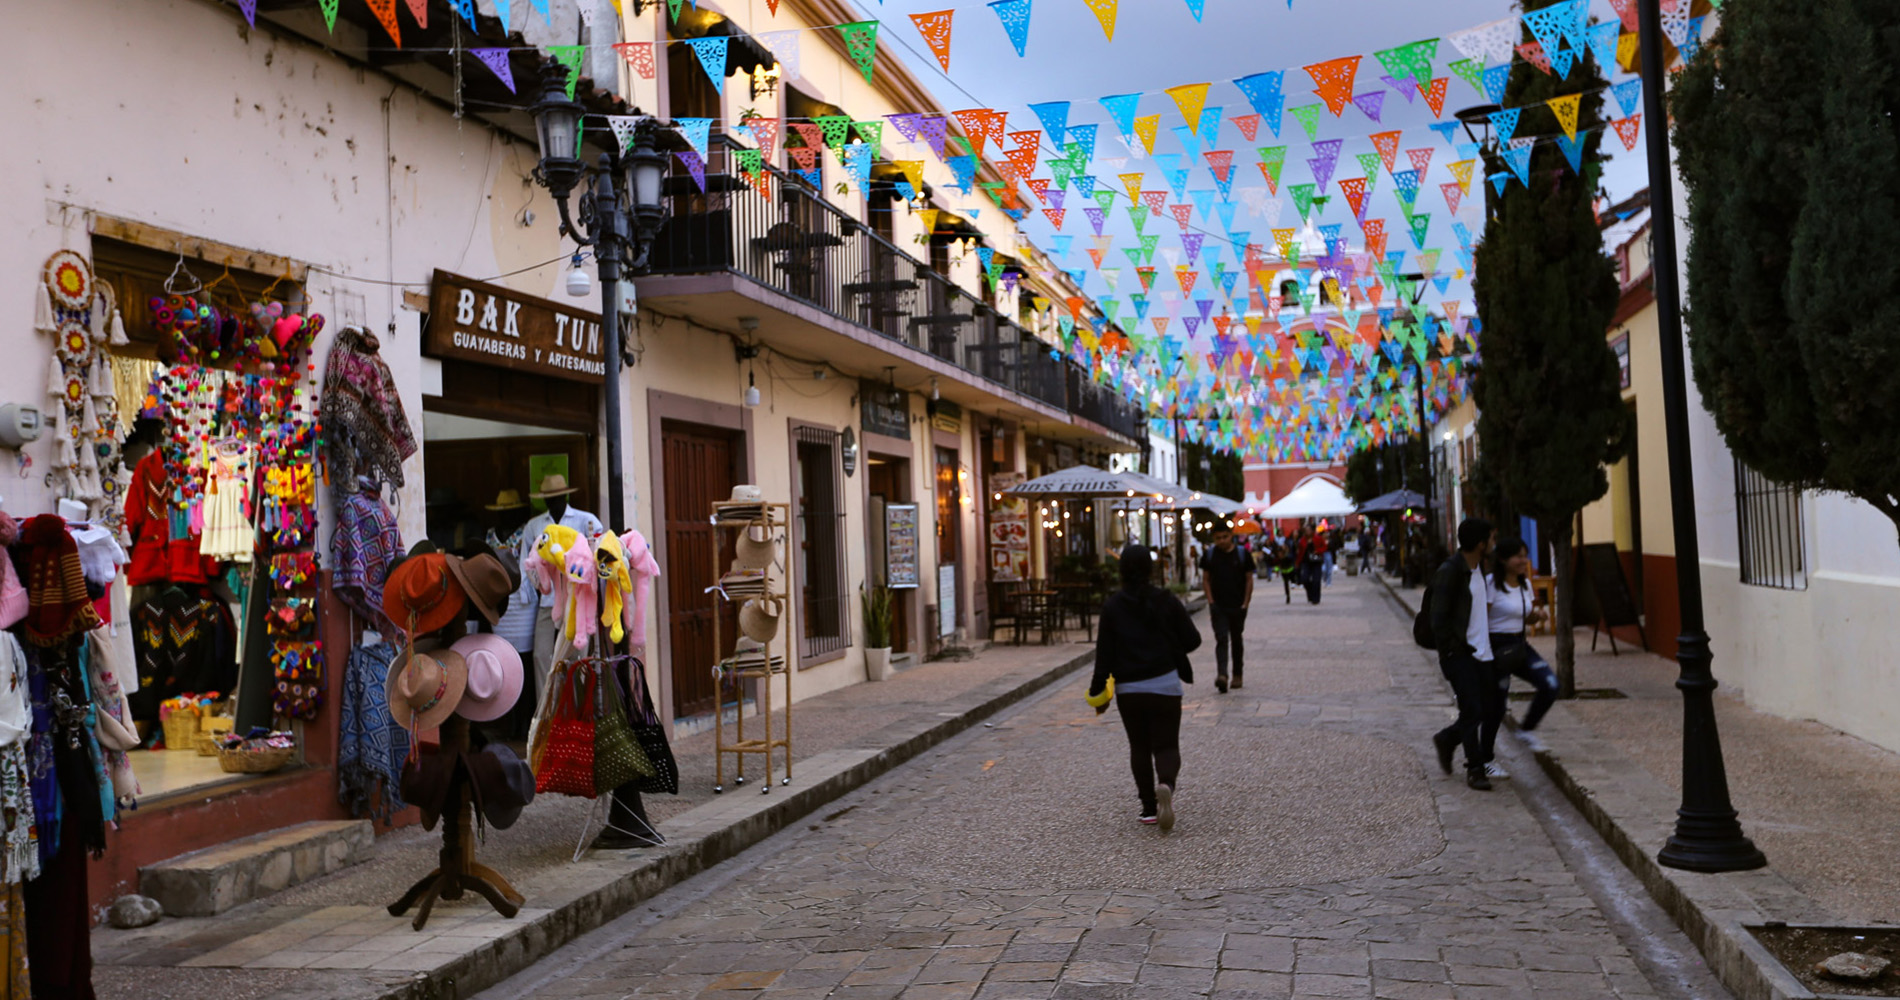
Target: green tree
[1787,144]
[1223,476]
[1372,472]
[1551,416]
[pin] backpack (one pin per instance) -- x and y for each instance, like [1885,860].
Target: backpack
[1422,623]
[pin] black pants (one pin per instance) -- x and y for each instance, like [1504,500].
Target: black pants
[1517,658]
[1476,688]
[1310,576]
[1228,623]
[1153,722]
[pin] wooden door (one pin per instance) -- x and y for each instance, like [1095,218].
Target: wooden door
[698,465]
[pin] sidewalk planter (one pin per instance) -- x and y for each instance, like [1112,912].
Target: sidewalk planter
[877,664]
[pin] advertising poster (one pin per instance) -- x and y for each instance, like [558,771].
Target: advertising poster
[1009,530]
[900,545]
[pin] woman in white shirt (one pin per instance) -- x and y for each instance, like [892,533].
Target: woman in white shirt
[1511,611]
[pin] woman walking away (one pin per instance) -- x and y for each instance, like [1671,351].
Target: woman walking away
[1511,614]
[1143,643]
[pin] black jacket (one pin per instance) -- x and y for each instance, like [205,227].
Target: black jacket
[1143,634]
[1451,606]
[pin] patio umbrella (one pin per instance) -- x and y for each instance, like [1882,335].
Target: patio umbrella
[1313,498]
[1217,505]
[1393,501]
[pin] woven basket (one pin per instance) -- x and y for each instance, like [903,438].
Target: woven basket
[209,729]
[181,731]
[255,761]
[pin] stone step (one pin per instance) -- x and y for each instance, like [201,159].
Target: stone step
[210,881]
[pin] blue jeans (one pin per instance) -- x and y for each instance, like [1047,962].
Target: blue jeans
[1516,657]
[1326,569]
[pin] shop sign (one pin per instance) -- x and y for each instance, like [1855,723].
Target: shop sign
[475,321]
[884,410]
[1620,344]
[947,416]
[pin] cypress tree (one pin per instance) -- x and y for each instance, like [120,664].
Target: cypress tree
[1551,414]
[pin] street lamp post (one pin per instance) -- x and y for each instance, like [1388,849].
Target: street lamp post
[619,214]
[1708,835]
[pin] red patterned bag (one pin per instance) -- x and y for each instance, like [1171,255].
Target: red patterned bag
[567,764]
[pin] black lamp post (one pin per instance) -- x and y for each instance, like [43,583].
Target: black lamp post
[620,212]
[1708,835]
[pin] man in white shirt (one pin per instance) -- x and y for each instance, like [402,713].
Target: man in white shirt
[555,491]
[1462,635]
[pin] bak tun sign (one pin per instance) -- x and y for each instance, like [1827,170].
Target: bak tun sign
[475,321]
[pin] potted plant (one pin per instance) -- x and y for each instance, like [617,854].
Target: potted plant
[877,632]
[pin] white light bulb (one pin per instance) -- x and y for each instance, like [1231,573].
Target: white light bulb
[578,281]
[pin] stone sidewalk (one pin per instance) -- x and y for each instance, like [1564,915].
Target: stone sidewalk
[333,939]
[1823,806]
[1320,853]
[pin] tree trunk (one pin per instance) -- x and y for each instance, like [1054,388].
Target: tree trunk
[1558,530]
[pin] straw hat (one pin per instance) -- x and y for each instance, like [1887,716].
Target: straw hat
[494,673]
[553,485]
[426,688]
[507,500]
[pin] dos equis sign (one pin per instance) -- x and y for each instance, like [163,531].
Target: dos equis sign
[476,321]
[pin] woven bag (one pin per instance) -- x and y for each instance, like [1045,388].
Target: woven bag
[567,762]
[618,756]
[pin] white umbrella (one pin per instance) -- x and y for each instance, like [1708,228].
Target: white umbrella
[1314,498]
[1081,482]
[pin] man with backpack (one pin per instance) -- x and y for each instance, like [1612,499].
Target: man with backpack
[1455,608]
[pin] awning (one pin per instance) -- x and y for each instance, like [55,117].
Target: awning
[1314,498]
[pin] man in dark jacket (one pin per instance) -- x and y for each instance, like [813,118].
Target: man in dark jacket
[1227,580]
[1462,633]
[1143,643]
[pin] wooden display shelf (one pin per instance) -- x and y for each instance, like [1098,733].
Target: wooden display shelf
[775,519]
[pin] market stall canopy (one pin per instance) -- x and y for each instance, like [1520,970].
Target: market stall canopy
[1313,498]
[1393,501]
[1082,482]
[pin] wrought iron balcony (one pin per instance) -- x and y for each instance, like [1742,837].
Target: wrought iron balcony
[802,246]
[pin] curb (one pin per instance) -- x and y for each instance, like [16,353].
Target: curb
[724,828]
[1713,911]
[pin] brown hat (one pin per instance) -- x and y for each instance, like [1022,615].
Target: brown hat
[507,500]
[422,595]
[424,689]
[553,485]
[485,580]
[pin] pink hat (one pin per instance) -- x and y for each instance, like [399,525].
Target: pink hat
[494,677]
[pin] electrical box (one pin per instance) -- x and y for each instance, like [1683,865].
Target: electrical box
[19,425]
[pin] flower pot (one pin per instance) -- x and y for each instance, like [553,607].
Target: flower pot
[877,664]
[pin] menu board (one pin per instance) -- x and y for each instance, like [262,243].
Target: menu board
[900,545]
[1009,529]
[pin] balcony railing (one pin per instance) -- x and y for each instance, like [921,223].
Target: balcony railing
[802,246]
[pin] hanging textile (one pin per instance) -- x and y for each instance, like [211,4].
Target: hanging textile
[364,545]
[370,754]
[366,432]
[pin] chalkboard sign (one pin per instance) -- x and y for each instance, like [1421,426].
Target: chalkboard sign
[1609,593]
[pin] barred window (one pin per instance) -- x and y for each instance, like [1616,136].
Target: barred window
[819,557]
[1768,520]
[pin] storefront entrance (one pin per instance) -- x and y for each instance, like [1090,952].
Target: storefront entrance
[888,480]
[700,465]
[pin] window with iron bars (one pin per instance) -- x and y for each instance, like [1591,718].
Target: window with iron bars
[1768,523]
[825,627]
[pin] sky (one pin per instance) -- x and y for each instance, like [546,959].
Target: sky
[1158,44]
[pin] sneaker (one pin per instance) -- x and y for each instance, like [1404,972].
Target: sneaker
[1445,748]
[1532,742]
[1477,780]
[1164,807]
[1150,819]
[1494,770]
[1220,683]
[1237,685]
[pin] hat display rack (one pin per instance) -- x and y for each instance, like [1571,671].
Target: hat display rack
[756,581]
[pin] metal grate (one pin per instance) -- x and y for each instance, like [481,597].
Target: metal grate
[1768,521]
[820,553]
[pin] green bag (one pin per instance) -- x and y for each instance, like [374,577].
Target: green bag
[618,756]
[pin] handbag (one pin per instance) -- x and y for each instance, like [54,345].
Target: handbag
[651,733]
[618,757]
[567,762]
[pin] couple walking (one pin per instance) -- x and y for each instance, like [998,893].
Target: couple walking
[1478,623]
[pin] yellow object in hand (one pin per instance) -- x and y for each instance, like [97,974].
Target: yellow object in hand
[1102,700]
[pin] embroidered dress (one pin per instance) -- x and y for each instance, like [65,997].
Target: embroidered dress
[228,534]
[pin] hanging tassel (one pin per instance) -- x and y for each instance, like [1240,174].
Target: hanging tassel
[43,309]
[118,331]
[100,318]
[88,432]
[67,457]
[55,378]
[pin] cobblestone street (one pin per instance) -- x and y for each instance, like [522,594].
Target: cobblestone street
[1319,853]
